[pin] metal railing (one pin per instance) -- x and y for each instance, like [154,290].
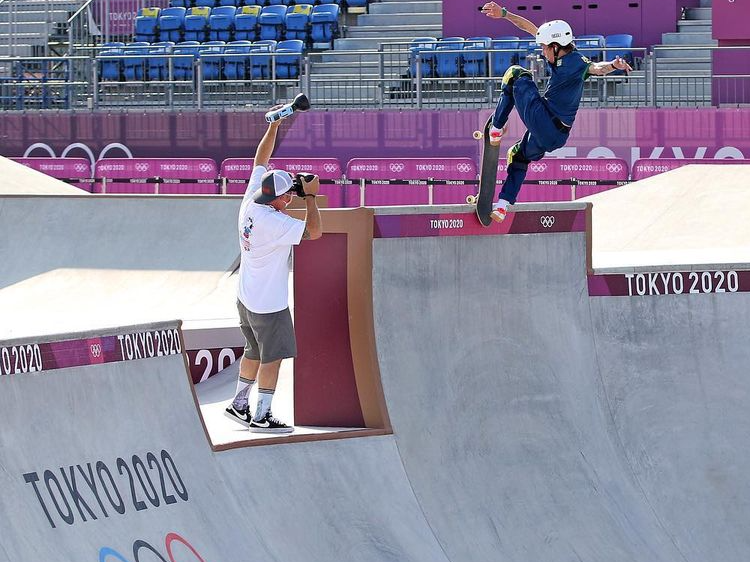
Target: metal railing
[43,82]
[390,77]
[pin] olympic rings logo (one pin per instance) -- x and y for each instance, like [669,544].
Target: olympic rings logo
[547,221]
[96,350]
[80,167]
[141,167]
[78,146]
[205,167]
[397,167]
[330,168]
[537,167]
[614,167]
[463,167]
[107,554]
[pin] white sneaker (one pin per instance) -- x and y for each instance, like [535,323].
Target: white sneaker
[496,135]
[499,210]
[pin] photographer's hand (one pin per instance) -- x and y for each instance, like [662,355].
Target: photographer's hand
[313,223]
[267,143]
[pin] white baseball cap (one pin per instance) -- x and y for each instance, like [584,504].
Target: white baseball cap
[272,184]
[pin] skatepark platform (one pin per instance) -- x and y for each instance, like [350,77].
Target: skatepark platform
[524,402]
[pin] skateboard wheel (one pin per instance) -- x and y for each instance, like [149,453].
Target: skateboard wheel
[471,199]
[478,135]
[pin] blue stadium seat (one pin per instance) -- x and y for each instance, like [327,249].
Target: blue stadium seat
[181,4]
[279,2]
[337,2]
[425,47]
[134,63]
[183,67]
[234,3]
[356,6]
[298,22]
[260,65]
[251,2]
[590,46]
[236,61]
[449,64]
[325,23]
[500,61]
[619,46]
[204,3]
[110,68]
[246,23]
[171,22]
[196,24]
[272,23]
[146,24]
[288,64]
[221,23]
[211,65]
[474,57]
[157,68]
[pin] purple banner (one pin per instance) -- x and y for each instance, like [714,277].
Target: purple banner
[411,168]
[141,169]
[122,14]
[669,283]
[238,170]
[35,358]
[62,168]
[627,134]
[467,224]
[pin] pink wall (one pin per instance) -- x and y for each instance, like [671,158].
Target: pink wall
[730,20]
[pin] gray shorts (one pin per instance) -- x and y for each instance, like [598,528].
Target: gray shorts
[268,337]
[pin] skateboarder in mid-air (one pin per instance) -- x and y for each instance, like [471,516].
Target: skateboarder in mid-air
[548,117]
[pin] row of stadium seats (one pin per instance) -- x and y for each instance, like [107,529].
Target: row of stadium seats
[238,3]
[311,24]
[452,57]
[238,60]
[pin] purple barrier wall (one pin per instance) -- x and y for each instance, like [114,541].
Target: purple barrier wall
[63,168]
[238,170]
[729,26]
[646,168]
[729,20]
[646,20]
[629,134]
[190,175]
[406,169]
[122,14]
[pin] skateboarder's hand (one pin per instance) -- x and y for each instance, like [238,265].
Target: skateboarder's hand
[312,187]
[492,10]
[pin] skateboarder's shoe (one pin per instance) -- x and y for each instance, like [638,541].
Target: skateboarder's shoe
[269,424]
[499,210]
[514,73]
[496,135]
[240,416]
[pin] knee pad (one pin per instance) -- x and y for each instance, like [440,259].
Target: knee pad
[513,73]
[515,156]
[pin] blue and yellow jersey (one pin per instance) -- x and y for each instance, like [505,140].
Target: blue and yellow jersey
[565,88]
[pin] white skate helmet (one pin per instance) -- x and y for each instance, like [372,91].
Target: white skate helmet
[555,31]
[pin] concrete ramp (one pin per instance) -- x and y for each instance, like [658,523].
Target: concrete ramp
[107,460]
[18,179]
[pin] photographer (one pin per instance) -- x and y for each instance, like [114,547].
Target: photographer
[266,238]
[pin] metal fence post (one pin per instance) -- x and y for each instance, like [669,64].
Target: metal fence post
[654,77]
[418,60]
[199,79]
[381,75]
[308,68]
[95,84]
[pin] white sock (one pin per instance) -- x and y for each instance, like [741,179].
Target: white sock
[265,397]
[501,204]
[244,387]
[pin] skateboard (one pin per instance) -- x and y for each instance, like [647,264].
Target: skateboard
[487,176]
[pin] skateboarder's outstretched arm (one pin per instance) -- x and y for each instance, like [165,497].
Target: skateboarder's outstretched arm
[605,67]
[492,10]
[267,144]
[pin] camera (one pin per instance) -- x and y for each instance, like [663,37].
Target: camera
[297,187]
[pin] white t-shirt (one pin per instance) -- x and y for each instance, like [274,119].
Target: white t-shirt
[266,240]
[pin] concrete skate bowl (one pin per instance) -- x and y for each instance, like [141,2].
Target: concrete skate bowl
[541,409]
